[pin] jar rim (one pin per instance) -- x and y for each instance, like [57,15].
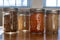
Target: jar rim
[52,11]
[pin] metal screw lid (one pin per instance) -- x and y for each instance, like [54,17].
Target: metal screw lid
[39,10]
[52,11]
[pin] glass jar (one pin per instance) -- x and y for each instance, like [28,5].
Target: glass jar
[10,20]
[20,20]
[23,20]
[37,21]
[52,21]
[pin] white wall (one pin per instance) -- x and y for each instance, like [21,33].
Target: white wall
[37,4]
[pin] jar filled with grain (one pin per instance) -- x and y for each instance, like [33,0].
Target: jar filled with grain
[20,20]
[23,20]
[10,21]
[52,21]
[37,21]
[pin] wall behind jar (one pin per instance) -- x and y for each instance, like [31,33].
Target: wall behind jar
[39,4]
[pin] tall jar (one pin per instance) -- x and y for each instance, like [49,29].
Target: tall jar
[37,21]
[52,21]
[20,20]
[10,21]
[23,20]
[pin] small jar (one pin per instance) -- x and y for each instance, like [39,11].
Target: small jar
[52,21]
[20,20]
[23,20]
[10,37]
[10,21]
[37,21]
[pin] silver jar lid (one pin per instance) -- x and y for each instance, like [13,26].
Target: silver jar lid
[39,10]
[32,10]
[6,9]
[52,11]
[13,9]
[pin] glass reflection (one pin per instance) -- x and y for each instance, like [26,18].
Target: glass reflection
[10,36]
[1,37]
[23,36]
[51,36]
[59,34]
[37,37]
[29,36]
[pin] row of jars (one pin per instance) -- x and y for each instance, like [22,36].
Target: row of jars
[33,20]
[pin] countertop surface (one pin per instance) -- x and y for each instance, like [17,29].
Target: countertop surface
[29,36]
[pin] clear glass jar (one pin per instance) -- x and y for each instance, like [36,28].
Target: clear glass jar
[10,20]
[37,21]
[20,20]
[10,36]
[23,20]
[52,21]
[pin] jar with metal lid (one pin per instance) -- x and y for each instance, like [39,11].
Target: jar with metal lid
[10,20]
[20,20]
[23,20]
[52,21]
[37,21]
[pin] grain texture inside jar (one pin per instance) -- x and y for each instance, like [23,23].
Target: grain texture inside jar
[14,21]
[10,21]
[37,22]
[52,23]
[23,21]
[7,24]
[20,22]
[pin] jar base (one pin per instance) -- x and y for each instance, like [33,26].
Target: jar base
[10,32]
[37,32]
[25,30]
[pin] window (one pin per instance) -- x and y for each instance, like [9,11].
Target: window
[15,3]
[52,3]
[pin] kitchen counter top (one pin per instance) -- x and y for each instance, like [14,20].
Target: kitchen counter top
[29,36]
